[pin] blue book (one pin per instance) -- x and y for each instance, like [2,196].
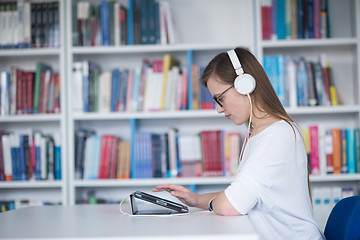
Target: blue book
[189,55]
[152,21]
[350,139]
[144,21]
[300,19]
[302,83]
[157,22]
[114,89]
[178,161]
[95,156]
[85,80]
[281,19]
[57,157]
[105,23]
[130,21]
[15,151]
[274,21]
[124,89]
[37,139]
[357,149]
[136,89]
[310,20]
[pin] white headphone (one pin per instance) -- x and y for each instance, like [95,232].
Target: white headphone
[244,83]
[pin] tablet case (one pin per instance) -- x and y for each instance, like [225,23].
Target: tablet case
[169,206]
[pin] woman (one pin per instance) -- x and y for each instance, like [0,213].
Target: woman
[272,182]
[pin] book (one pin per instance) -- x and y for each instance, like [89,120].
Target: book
[336,139]
[40,68]
[314,152]
[7,153]
[350,141]
[168,63]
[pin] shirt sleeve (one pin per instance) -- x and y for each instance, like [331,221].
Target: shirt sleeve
[244,193]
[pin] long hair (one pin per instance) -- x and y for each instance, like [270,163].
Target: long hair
[264,96]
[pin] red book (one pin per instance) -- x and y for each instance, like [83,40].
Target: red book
[326,84]
[57,94]
[42,92]
[314,153]
[266,20]
[19,90]
[29,91]
[113,156]
[102,165]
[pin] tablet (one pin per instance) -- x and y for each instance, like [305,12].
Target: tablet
[168,207]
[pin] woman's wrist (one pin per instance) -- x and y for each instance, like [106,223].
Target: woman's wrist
[210,205]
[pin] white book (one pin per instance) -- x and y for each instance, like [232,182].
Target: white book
[149,86]
[190,148]
[175,72]
[105,92]
[322,149]
[7,156]
[37,140]
[291,79]
[4,84]
[172,152]
[77,88]
[13,86]
[162,20]
[3,27]
[158,90]
[87,156]
[169,22]
[19,24]
[234,152]
[27,23]
[12,19]
[43,161]
[117,23]
[169,90]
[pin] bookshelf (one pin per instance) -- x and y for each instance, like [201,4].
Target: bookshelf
[342,50]
[226,23]
[38,191]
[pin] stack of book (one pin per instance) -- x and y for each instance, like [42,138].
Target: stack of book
[32,156]
[157,155]
[113,23]
[160,85]
[295,19]
[25,24]
[28,92]
[301,82]
[332,150]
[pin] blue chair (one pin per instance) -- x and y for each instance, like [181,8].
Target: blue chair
[344,220]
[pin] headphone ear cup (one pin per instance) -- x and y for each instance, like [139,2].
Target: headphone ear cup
[244,84]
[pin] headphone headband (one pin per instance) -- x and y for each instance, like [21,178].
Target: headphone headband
[235,62]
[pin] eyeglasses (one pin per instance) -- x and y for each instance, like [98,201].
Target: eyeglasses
[218,99]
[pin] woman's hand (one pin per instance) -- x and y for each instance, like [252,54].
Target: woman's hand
[183,194]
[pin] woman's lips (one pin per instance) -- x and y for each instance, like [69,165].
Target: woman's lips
[228,116]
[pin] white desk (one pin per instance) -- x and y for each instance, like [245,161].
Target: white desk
[106,222]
